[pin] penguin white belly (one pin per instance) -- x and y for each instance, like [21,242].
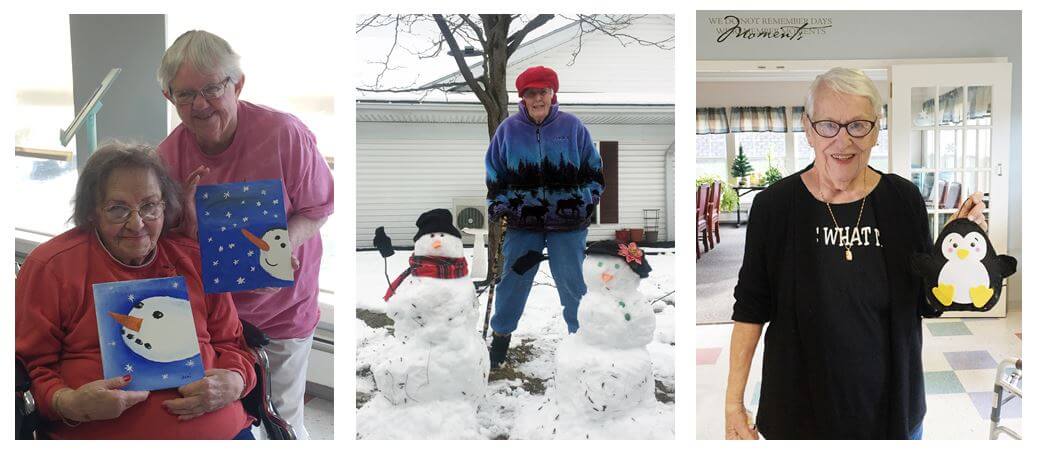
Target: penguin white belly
[964,275]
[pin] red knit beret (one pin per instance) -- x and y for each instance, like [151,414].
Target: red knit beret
[538,77]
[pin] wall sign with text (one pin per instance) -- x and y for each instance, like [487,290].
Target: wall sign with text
[786,28]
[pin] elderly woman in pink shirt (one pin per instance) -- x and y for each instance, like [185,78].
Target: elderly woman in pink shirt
[224,139]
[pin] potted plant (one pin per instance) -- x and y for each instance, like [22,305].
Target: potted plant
[741,167]
[772,173]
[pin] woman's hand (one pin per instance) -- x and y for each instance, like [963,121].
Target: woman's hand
[972,209]
[219,388]
[189,223]
[737,425]
[98,400]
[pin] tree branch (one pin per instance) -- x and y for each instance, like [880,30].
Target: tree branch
[464,69]
[476,29]
[439,86]
[514,41]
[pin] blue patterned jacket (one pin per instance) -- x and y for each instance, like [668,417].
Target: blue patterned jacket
[543,177]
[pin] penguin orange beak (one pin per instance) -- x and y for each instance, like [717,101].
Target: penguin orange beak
[606,277]
[128,322]
[436,244]
[256,241]
[963,253]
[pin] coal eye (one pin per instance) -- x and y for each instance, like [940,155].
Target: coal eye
[139,304]
[283,245]
[157,314]
[441,235]
[616,266]
[599,264]
[278,237]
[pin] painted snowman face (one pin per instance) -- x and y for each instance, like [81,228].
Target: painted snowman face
[160,329]
[971,247]
[276,254]
[439,245]
[604,274]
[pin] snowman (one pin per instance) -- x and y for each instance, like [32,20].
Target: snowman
[604,383]
[276,254]
[429,383]
[160,329]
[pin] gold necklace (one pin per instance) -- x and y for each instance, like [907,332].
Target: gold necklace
[848,244]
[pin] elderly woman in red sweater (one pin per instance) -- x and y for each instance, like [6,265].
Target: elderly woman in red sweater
[124,202]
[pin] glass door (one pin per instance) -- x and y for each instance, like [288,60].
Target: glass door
[950,131]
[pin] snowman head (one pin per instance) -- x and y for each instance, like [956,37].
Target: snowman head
[971,247]
[606,274]
[439,244]
[276,254]
[160,329]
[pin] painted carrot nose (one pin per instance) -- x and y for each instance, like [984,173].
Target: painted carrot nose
[256,241]
[436,244]
[606,277]
[128,322]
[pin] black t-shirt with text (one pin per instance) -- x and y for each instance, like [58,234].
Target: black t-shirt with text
[852,320]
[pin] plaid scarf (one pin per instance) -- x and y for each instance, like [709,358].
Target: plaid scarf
[423,266]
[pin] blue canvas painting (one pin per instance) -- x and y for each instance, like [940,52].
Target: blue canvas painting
[146,330]
[243,236]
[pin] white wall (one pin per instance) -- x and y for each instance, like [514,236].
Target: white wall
[406,169]
[896,35]
[760,93]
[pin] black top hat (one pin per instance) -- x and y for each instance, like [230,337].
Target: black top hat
[438,220]
[633,255]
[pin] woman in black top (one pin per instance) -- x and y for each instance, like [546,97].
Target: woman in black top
[827,263]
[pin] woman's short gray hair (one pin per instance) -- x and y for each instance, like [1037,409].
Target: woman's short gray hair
[204,51]
[90,188]
[846,81]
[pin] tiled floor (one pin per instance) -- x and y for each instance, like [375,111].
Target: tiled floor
[960,359]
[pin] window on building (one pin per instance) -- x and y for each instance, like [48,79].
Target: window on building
[761,148]
[711,155]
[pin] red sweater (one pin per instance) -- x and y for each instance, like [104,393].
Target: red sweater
[56,334]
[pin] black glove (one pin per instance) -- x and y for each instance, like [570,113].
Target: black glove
[383,243]
[528,261]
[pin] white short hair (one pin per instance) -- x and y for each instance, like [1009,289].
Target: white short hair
[846,81]
[204,51]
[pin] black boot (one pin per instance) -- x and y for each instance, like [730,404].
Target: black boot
[497,353]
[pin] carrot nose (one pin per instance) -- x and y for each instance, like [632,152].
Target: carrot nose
[256,241]
[128,322]
[436,244]
[606,277]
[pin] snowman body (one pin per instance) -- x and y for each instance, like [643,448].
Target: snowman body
[162,330]
[604,383]
[437,370]
[964,269]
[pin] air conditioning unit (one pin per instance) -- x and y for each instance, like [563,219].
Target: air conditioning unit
[470,213]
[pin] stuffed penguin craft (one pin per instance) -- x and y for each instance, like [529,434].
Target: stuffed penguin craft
[963,272]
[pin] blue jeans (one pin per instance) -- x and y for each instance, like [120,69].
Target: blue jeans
[245,434]
[566,253]
[917,434]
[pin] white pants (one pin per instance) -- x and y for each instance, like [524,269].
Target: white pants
[288,375]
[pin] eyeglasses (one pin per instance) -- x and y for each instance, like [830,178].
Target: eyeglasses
[149,211]
[829,129]
[535,92]
[211,91]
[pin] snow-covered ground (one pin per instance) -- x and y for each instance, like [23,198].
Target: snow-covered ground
[522,383]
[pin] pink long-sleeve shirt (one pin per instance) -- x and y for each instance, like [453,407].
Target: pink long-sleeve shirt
[269,144]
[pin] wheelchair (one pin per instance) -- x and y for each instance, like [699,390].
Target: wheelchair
[257,403]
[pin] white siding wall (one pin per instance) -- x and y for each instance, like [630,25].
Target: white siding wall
[406,169]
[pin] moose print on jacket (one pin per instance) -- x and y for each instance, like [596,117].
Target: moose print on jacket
[544,177]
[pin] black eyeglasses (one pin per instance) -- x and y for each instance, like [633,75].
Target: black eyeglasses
[829,129]
[211,91]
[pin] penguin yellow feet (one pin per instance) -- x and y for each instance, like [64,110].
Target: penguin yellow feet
[980,295]
[944,293]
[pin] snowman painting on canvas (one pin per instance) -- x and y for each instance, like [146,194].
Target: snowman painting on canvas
[146,329]
[243,236]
